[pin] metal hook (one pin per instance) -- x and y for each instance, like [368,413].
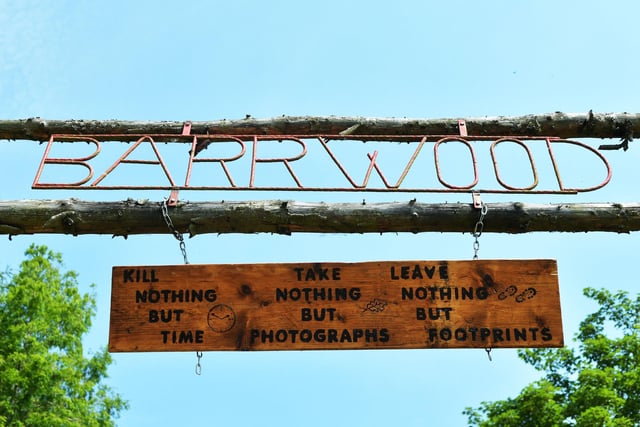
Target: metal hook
[479,227]
[198,365]
[174,231]
[488,350]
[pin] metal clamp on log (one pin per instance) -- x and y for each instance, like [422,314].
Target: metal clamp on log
[173,197]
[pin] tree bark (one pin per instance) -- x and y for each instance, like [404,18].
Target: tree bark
[564,125]
[285,217]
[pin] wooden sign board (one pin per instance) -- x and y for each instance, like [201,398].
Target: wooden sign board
[321,306]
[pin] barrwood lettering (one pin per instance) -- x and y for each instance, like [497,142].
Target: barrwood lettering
[239,162]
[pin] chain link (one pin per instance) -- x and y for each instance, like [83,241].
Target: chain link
[477,232]
[174,231]
[183,249]
[198,365]
[478,229]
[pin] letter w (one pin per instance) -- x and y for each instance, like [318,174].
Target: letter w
[373,164]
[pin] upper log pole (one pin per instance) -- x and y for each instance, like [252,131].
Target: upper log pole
[563,125]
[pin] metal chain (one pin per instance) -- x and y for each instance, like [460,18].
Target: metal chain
[198,366]
[174,231]
[477,230]
[183,249]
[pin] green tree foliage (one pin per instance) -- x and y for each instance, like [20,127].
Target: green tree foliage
[596,384]
[45,379]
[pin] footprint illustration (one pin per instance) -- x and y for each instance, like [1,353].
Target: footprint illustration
[507,292]
[527,294]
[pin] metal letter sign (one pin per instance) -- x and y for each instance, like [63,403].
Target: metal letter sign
[370,305]
[244,162]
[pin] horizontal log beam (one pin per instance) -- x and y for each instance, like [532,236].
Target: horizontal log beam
[564,125]
[285,217]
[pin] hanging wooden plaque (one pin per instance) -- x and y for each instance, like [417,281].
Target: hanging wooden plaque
[322,306]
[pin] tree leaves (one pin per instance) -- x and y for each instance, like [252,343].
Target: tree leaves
[595,384]
[46,378]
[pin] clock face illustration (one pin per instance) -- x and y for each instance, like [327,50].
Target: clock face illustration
[221,318]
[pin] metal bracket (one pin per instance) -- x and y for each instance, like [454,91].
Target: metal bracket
[173,197]
[462,128]
[477,201]
[186,128]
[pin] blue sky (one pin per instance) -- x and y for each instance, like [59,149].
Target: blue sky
[212,60]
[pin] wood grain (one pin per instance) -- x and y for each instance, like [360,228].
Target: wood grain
[129,217]
[565,125]
[322,306]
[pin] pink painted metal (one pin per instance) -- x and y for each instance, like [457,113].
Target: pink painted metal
[186,128]
[557,169]
[477,200]
[124,159]
[80,161]
[474,160]
[532,163]
[199,143]
[175,193]
[462,128]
